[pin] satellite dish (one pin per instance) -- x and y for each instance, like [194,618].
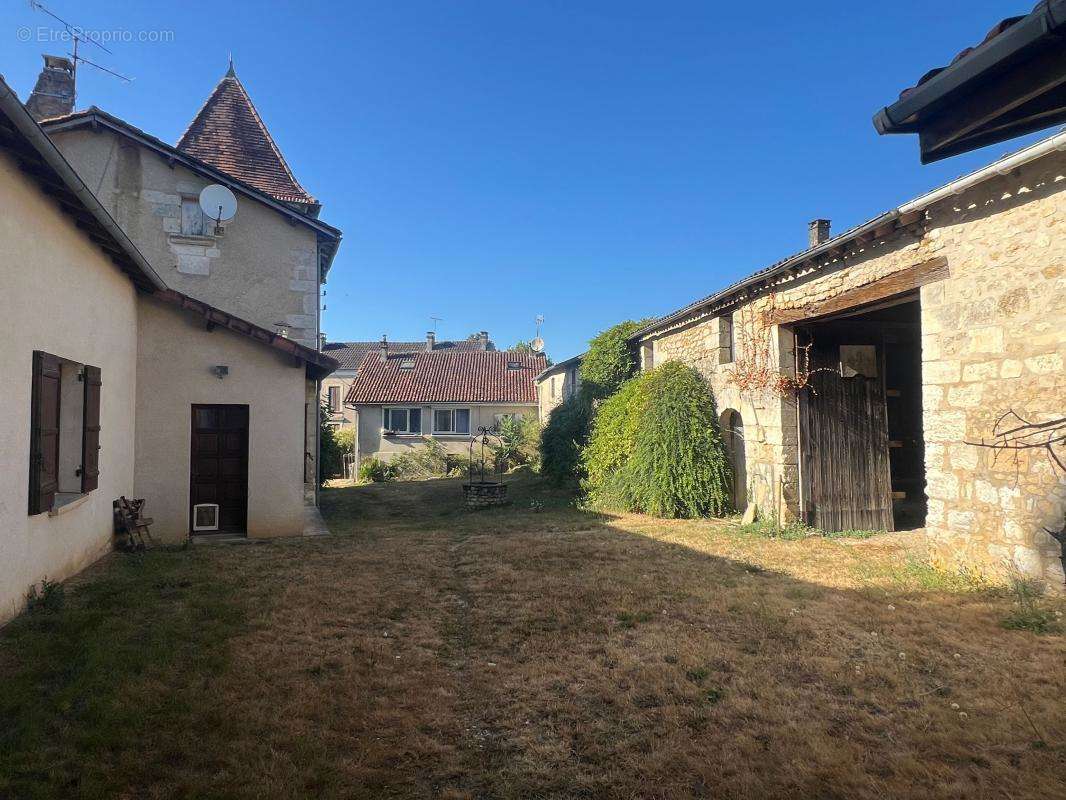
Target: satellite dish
[537,345]
[218,203]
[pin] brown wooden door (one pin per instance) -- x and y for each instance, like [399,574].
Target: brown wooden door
[844,432]
[219,471]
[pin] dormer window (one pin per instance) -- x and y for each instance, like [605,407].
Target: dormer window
[407,363]
[514,365]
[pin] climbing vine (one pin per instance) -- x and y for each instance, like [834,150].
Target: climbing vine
[754,368]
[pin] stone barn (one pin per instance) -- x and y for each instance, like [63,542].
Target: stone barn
[857,379]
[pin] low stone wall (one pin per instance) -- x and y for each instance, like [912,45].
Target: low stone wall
[484,495]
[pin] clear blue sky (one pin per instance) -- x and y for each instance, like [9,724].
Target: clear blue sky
[588,161]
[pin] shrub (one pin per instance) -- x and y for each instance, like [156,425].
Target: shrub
[374,470]
[330,463]
[677,464]
[422,463]
[564,437]
[609,361]
[1029,613]
[49,598]
[611,441]
[345,439]
[519,442]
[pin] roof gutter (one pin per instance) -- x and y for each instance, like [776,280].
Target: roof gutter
[956,187]
[20,117]
[1001,167]
[901,116]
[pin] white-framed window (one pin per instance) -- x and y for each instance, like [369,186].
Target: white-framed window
[451,420]
[401,420]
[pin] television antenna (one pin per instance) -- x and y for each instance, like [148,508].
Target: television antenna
[77,35]
[435,320]
[538,344]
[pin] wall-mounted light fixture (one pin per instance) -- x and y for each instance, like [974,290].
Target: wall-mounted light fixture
[221,371]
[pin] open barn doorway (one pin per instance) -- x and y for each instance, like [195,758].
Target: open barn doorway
[862,456]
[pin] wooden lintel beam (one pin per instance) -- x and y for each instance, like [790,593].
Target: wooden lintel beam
[905,280]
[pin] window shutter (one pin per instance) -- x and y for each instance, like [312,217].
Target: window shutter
[90,435]
[44,432]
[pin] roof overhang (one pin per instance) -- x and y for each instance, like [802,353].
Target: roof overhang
[559,367]
[94,118]
[318,365]
[1013,84]
[38,157]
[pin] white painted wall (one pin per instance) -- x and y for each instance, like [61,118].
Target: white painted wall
[175,358]
[59,294]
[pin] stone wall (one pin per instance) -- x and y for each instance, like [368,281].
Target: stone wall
[262,267]
[993,339]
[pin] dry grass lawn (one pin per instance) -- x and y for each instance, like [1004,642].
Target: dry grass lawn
[536,651]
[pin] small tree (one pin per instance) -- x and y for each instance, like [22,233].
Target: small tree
[519,441]
[330,463]
[564,437]
[609,361]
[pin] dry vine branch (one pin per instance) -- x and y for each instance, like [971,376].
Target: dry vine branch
[1013,433]
[754,369]
[1025,435]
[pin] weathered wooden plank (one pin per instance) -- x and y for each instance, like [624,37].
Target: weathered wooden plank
[906,280]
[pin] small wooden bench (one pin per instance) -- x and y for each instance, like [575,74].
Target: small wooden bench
[131,526]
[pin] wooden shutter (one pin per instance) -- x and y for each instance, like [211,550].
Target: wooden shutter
[90,435]
[44,432]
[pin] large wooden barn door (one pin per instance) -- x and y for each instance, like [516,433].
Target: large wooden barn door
[844,432]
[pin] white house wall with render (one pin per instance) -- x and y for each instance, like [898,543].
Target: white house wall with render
[103,370]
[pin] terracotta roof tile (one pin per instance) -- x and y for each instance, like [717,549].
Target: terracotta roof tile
[229,134]
[480,376]
[351,354]
[996,30]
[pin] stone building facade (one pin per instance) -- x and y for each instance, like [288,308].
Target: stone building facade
[985,261]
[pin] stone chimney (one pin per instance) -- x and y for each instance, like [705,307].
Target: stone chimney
[817,232]
[431,341]
[384,349]
[483,340]
[53,95]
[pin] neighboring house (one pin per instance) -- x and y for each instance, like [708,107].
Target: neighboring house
[266,264]
[116,384]
[402,400]
[914,331]
[557,383]
[351,354]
